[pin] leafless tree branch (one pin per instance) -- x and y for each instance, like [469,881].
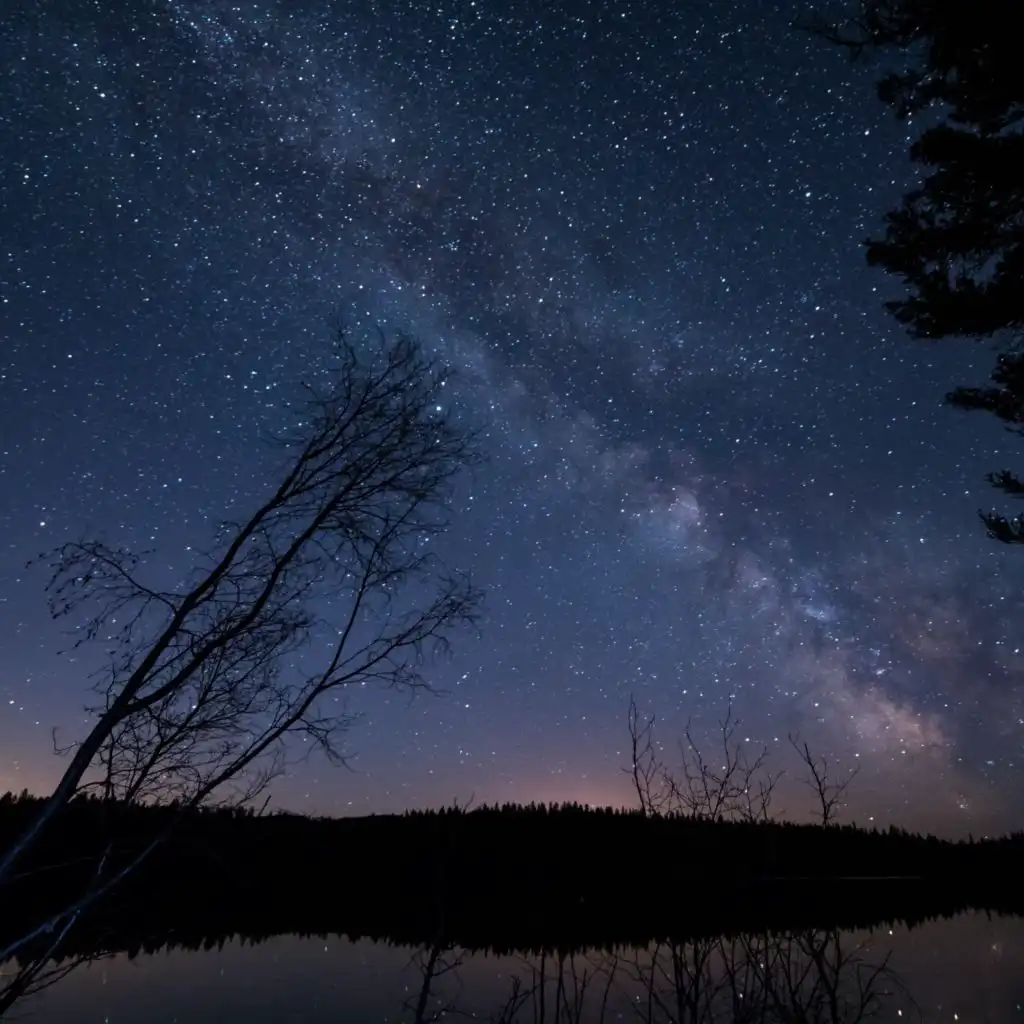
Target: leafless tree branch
[645,768]
[333,582]
[830,794]
[728,783]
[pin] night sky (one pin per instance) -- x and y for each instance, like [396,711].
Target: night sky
[716,470]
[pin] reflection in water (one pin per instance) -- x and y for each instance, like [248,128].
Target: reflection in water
[968,968]
[804,976]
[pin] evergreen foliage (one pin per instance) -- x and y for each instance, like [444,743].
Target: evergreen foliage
[509,877]
[957,239]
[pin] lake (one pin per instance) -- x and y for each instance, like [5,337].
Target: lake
[966,968]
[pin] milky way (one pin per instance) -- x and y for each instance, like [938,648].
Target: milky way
[716,472]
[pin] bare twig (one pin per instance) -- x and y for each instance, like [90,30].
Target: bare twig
[830,794]
[729,783]
[645,767]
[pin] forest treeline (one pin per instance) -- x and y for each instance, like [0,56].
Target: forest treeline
[501,877]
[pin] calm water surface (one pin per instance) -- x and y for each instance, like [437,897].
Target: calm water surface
[969,968]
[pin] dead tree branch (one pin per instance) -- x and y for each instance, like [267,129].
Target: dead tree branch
[727,784]
[646,769]
[829,793]
[333,582]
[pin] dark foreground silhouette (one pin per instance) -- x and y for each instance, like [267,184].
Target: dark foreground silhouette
[528,878]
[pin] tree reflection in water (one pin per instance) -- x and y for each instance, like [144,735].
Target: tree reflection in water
[802,977]
[969,964]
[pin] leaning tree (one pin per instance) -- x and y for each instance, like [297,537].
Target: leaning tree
[957,239]
[334,581]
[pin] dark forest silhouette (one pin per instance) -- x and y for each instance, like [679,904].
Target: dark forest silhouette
[957,239]
[503,878]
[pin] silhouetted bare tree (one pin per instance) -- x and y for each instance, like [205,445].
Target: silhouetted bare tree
[725,784]
[728,783]
[332,582]
[829,792]
[645,768]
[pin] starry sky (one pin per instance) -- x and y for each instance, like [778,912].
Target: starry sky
[716,472]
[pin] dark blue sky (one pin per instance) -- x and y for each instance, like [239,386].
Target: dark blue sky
[716,470]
